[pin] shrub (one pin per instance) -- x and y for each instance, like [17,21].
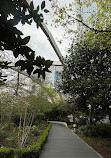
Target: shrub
[34,150]
[35,131]
[11,141]
[82,121]
[98,130]
[29,152]
[6,153]
[3,135]
[81,129]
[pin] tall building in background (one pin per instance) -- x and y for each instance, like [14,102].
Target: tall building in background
[56,70]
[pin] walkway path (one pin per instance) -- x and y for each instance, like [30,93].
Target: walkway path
[62,143]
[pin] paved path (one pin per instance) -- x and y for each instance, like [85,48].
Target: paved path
[62,143]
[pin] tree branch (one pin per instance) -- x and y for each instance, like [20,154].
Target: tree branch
[96,30]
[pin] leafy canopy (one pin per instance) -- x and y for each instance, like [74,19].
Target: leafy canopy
[86,74]
[81,16]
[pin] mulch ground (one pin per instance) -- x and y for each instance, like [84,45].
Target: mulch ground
[101,145]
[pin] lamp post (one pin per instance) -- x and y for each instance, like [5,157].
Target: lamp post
[110,113]
[89,106]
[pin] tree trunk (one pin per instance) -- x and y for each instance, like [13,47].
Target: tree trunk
[17,86]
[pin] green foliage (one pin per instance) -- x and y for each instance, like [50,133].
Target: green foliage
[86,73]
[34,150]
[6,153]
[98,130]
[31,6]
[58,112]
[82,121]
[3,134]
[29,152]
[45,64]
[35,130]
[43,5]
[11,140]
[8,138]
[24,111]
[94,15]
[46,11]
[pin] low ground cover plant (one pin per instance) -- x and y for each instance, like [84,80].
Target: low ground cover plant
[32,151]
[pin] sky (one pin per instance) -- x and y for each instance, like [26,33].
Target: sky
[39,42]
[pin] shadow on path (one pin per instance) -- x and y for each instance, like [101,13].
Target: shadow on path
[62,143]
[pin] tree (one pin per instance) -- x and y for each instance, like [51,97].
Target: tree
[93,14]
[7,104]
[11,13]
[86,75]
[18,113]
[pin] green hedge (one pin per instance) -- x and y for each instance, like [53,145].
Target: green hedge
[6,153]
[32,151]
[98,130]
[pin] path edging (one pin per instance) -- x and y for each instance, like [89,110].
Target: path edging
[59,122]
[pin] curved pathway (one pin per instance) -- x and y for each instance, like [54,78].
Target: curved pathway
[62,143]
